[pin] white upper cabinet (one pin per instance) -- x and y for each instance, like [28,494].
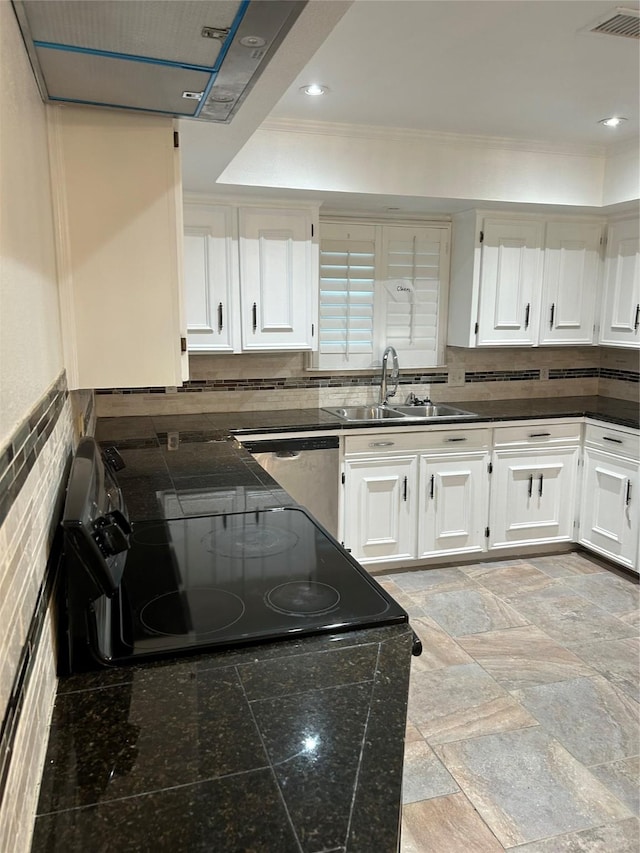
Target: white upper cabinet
[251,277]
[278,275]
[523,282]
[382,285]
[620,324]
[509,275]
[570,282]
[211,278]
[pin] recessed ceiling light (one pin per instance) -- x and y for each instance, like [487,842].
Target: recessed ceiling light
[614,121]
[314,89]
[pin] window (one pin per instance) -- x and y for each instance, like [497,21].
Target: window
[381,285]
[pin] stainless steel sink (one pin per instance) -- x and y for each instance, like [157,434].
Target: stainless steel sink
[434,410]
[367,413]
[398,413]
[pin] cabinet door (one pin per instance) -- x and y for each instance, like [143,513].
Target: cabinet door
[211,279]
[609,515]
[621,301]
[532,497]
[571,265]
[509,282]
[116,178]
[278,279]
[453,505]
[380,508]
[414,277]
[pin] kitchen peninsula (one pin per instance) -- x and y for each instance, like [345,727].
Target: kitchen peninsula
[288,746]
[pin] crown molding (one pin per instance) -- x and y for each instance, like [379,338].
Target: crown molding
[395,134]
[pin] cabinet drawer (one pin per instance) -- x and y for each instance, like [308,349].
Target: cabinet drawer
[537,434]
[613,440]
[451,438]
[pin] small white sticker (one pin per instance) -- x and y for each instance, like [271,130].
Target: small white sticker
[400,289]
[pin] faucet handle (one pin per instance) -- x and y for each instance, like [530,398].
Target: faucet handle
[412,400]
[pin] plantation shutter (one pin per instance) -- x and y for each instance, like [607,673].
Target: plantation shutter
[415,262]
[347,289]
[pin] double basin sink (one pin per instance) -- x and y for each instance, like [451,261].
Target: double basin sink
[431,411]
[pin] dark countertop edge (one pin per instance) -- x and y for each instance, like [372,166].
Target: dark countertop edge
[249,653]
[572,411]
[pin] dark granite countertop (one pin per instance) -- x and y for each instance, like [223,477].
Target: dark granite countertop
[294,747]
[620,412]
[291,746]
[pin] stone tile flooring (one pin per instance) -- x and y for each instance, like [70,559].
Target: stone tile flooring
[523,728]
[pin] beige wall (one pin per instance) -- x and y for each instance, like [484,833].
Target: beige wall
[30,346]
[30,367]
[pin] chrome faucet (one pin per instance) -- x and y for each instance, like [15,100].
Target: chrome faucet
[385,393]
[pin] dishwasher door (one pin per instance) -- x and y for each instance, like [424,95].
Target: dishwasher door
[308,469]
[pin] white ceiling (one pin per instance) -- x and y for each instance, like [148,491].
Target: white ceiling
[518,69]
[511,68]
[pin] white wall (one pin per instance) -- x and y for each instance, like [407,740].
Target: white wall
[30,338]
[345,158]
[622,174]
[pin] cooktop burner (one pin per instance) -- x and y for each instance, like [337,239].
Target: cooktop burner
[200,611]
[240,536]
[303,598]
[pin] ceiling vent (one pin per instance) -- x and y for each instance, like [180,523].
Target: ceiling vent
[618,22]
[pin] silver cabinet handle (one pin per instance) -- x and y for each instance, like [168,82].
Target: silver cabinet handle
[627,499]
[614,440]
[530,489]
[381,443]
[539,434]
[254,311]
[404,489]
[457,438]
[540,485]
[432,486]
[220,317]
[553,311]
[636,322]
[527,312]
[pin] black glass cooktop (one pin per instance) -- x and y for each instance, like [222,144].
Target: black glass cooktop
[230,579]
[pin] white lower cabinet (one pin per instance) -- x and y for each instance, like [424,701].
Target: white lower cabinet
[453,503]
[381,506]
[609,515]
[422,496]
[447,491]
[533,496]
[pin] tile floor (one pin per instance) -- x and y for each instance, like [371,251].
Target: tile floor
[523,728]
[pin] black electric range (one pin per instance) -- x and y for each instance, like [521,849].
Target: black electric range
[151,589]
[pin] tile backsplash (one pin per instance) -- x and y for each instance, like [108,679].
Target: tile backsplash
[33,468]
[281,381]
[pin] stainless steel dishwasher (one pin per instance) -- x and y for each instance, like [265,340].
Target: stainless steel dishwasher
[307,468]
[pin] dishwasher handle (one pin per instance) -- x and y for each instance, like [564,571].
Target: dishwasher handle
[291,445]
